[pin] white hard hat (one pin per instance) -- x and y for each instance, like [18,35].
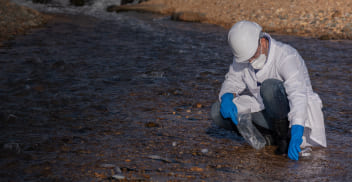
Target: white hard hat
[243,39]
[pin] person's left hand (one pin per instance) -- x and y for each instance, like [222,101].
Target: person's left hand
[296,140]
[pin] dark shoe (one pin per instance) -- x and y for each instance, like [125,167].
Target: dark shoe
[282,135]
[267,134]
[282,147]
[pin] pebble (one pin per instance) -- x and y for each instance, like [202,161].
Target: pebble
[17,19]
[12,118]
[156,157]
[27,87]
[151,125]
[285,15]
[197,169]
[204,151]
[107,165]
[118,170]
[14,147]
[118,177]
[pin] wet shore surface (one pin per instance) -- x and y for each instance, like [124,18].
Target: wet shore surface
[95,100]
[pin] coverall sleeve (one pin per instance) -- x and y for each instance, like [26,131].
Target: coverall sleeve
[233,80]
[293,70]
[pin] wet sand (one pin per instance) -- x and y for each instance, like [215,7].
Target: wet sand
[88,100]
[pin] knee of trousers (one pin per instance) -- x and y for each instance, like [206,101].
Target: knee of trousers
[218,119]
[272,87]
[274,98]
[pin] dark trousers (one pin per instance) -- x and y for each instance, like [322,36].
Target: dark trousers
[270,121]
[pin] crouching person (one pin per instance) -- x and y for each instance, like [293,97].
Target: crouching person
[282,103]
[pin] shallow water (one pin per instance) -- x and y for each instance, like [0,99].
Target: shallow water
[84,92]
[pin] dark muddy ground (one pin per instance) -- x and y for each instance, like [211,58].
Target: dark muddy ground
[86,99]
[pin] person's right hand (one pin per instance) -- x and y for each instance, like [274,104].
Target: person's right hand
[296,140]
[227,108]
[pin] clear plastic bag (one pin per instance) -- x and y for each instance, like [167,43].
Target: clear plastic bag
[249,132]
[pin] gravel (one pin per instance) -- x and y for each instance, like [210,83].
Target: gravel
[16,19]
[325,19]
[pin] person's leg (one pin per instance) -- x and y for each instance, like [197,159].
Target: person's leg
[219,120]
[261,119]
[264,127]
[277,108]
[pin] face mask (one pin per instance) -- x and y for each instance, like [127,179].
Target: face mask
[259,62]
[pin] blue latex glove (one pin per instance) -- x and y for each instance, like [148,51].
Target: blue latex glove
[227,108]
[296,140]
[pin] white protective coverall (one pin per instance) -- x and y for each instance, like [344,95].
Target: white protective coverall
[283,63]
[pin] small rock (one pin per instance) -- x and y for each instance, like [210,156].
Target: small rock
[123,2]
[188,16]
[197,169]
[157,8]
[11,118]
[41,1]
[39,88]
[107,165]
[112,8]
[348,29]
[79,2]
[156,157]
[99,175]
[118,177]
[13,147]
[204,151]
[126,2]
[336,14]
[118,170]
[324,37]
[151,125]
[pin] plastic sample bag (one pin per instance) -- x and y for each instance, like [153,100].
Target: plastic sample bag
[249,132]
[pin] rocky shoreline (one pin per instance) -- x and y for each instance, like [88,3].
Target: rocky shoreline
[324,19]
[16,19]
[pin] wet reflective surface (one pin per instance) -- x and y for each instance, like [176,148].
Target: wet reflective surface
[86,99]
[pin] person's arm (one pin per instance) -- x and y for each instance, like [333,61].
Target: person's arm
[233,82]
[232,85]
[293,72]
